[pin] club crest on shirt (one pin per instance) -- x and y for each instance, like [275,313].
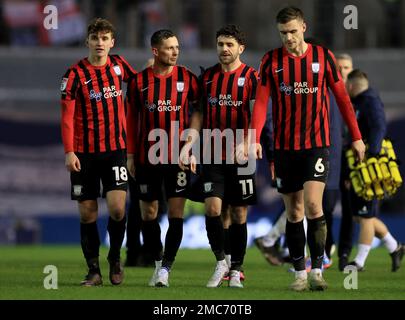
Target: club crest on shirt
[63,84]
[315,67]
[180,86]
[117,70]
[241,81]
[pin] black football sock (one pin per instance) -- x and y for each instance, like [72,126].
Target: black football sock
[295,235]
[90,242]
[227,242]
[173,239]
[316,236]
[116,231]
[215,233]
[238,239]
[151,238]
[134,222]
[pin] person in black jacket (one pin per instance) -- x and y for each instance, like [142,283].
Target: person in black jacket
[345,64]
[371,119]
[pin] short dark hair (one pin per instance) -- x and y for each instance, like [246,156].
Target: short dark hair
[100,25]
[289,13]
[357,74]
[160,35]
[233,31]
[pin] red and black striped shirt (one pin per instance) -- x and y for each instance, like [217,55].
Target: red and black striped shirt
[160,102]
[298,87]
[226,100]
[92,104]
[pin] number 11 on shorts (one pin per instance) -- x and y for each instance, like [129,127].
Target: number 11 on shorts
[248,182]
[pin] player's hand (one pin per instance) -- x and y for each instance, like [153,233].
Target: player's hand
[241,152]
[72,162]
[193,164]
[187,162]
[258,151]
[272,171]
[131,166]
[359,149]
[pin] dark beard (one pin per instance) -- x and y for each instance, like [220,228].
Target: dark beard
[228,61]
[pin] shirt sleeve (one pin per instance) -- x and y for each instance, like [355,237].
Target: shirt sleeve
[266,137]
[253,82]
[336,83]
[194,93]
[132,116]
[128,71]
[69,86]
[377,125]
[262,97]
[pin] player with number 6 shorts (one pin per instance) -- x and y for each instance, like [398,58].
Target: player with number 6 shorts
[297,76]
[294,168]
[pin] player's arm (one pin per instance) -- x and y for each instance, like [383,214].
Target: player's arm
[261,102]
[377,124]
[128,71]
[242,147]
[266,139]
[186,161]
[132,125]
[338,88]
[253,83]
[68,104]
[194,96]
[193,132]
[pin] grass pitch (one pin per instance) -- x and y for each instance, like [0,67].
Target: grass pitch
[22,277]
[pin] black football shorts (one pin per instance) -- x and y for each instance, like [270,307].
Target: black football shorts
[225,182]
[108,167]
[362,208]
[294,168]
[150,178]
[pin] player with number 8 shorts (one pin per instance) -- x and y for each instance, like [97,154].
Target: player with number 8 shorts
[162,101]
